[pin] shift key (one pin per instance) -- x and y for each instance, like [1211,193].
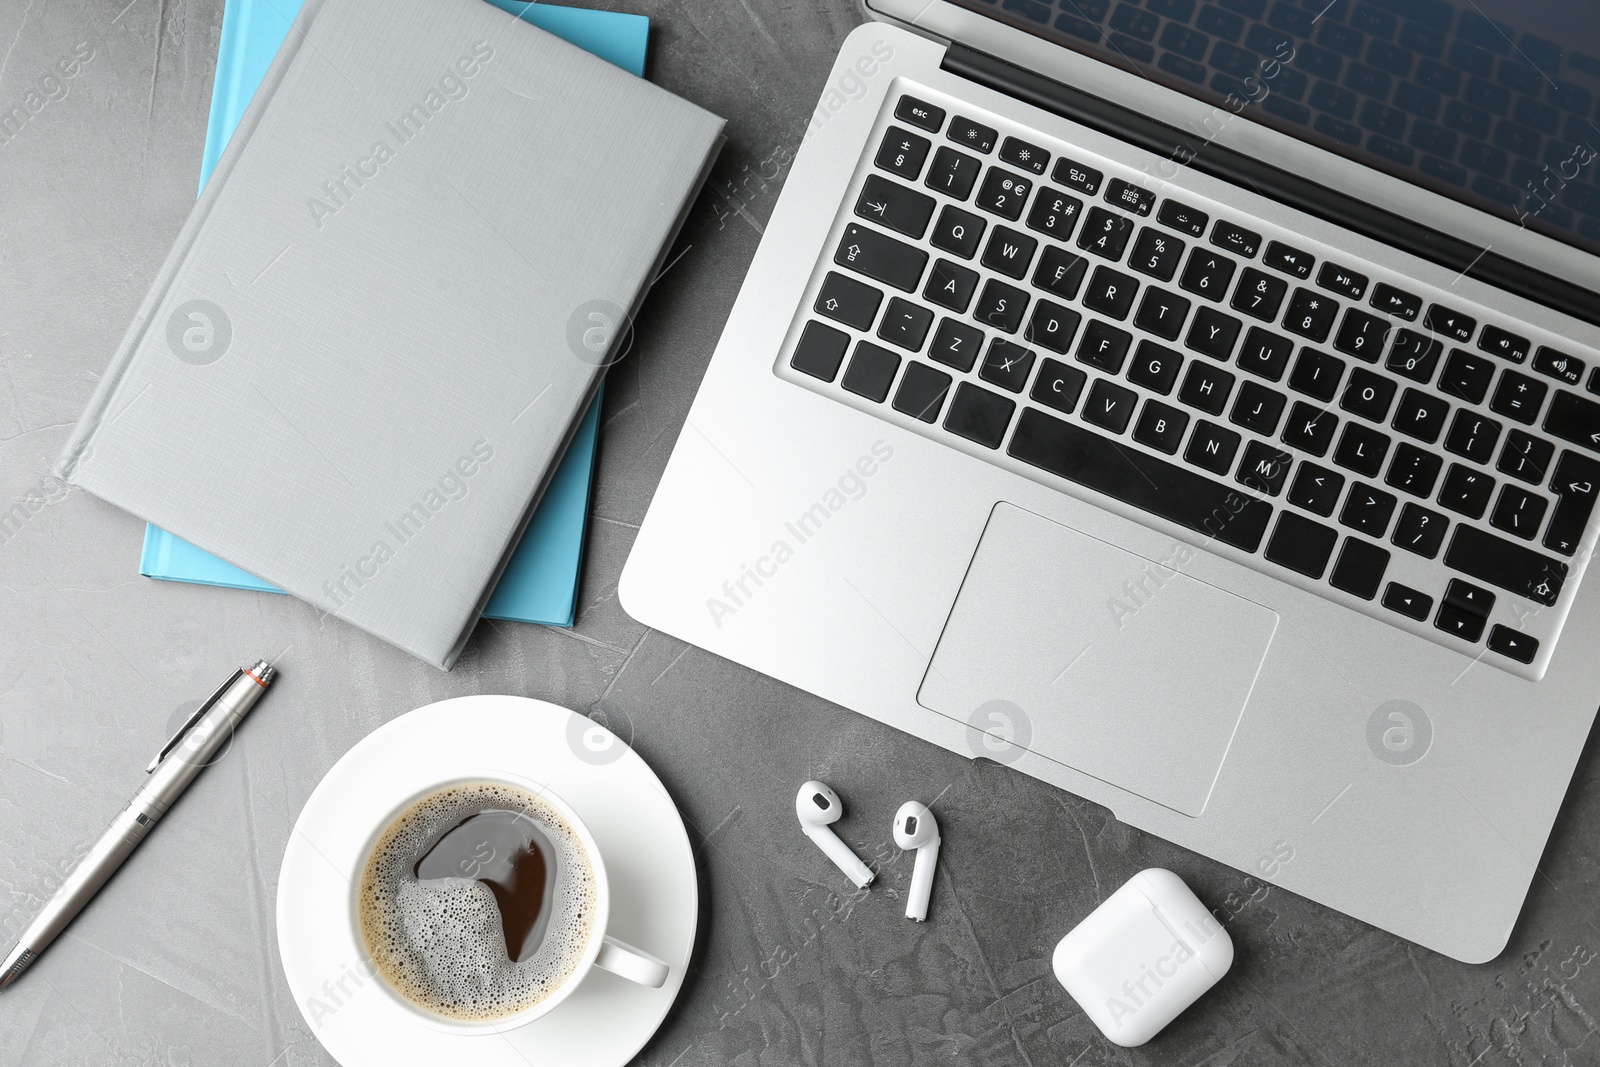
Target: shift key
[881,258]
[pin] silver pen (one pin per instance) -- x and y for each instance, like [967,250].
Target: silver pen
[178,763]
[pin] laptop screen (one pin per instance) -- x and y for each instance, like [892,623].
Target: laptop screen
[1495,103]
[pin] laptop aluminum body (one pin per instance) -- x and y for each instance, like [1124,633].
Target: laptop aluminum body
[985,606]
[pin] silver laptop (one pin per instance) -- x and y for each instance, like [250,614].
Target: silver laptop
[1195,405]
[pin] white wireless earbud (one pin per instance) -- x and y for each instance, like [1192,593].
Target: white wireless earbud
[818,807]
[915,827]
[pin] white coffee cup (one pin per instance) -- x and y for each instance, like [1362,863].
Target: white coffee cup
[602,950]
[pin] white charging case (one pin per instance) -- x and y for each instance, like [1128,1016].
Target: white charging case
[1143,956]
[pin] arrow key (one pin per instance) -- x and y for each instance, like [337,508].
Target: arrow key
[1576,482]
[1407,601]
[1459,622]
[1513,643]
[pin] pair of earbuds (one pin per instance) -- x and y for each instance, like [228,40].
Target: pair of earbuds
[818,808]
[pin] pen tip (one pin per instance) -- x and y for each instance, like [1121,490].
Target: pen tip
[264,672]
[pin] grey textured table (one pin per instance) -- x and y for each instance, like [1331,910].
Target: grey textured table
[177,962]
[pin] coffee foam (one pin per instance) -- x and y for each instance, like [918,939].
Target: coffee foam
[439,943]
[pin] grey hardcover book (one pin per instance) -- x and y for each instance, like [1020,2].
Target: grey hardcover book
[379,327]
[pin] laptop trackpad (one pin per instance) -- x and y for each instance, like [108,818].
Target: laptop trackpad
[1124,668]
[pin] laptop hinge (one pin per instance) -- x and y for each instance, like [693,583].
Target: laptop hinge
[1252,174]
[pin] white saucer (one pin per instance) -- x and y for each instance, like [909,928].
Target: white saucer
[655,899]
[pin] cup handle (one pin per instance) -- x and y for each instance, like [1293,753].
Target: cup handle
[622,959]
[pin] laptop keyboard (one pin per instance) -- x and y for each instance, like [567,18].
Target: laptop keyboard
[1415,457]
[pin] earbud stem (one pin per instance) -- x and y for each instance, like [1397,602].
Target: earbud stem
[922,882]
[840,854]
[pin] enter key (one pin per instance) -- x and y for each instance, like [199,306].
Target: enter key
[1576,483]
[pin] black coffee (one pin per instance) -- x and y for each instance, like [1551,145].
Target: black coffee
[478,901]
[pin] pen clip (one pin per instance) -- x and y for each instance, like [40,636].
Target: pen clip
[188,724]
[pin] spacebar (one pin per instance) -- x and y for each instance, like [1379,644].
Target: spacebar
[1135,478]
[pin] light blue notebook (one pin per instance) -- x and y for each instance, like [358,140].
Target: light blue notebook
[540,583]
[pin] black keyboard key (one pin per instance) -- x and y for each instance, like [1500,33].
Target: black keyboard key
[893,205]
[1459,622]
[1207,273]
[1397,302]
[1505,564]
[1235,239]
[1456,325]
[1160,426]
[1473,436]
[905,324]
[1155,367]
[1140,480]
[1213,333]
[1020,153]
[1182,217]
[1502,343]
[1075,175]
[1466,376]
[1526,457]
[1104,346]
[1001,306]
[953,173]
[1129,197]
[975,135]
[1052,326]
[1259,294]
[1342,280]
[1288,259]
[1407,601]
[1161,313]
[1006,364]
[1360,569]
[979,415]
[955,344]
[1310,429]
[1413,470]
[1105,233]
[1316,488]
[871,371]
[1414,355]
[1110,292]
[919,113]
[1264,467]
[1265,353]
[1368,395]
[1055,213]
[1361,335]
[902,153]
[1575,483]
[846,300]
[880,258]
[1003,193]
[1316,374]
[1518,512]
[1301,545]
[922,392]
[1513,644]
[1420,415]
[1212,447]
[1060,272]
[1310,314]
[1206,387]
[1466,491]
[958,232]
[1156,254]
[1109,406]
[1367,509]
[1058,385]
[1257,408]
[1361,449]
[1558,365]
[820,351]
[1420,530]
[1519,397]
[950,285]
[1009,252]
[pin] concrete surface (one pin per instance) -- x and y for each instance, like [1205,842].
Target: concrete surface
[177,964]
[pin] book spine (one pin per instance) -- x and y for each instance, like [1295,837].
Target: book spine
[77,454]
